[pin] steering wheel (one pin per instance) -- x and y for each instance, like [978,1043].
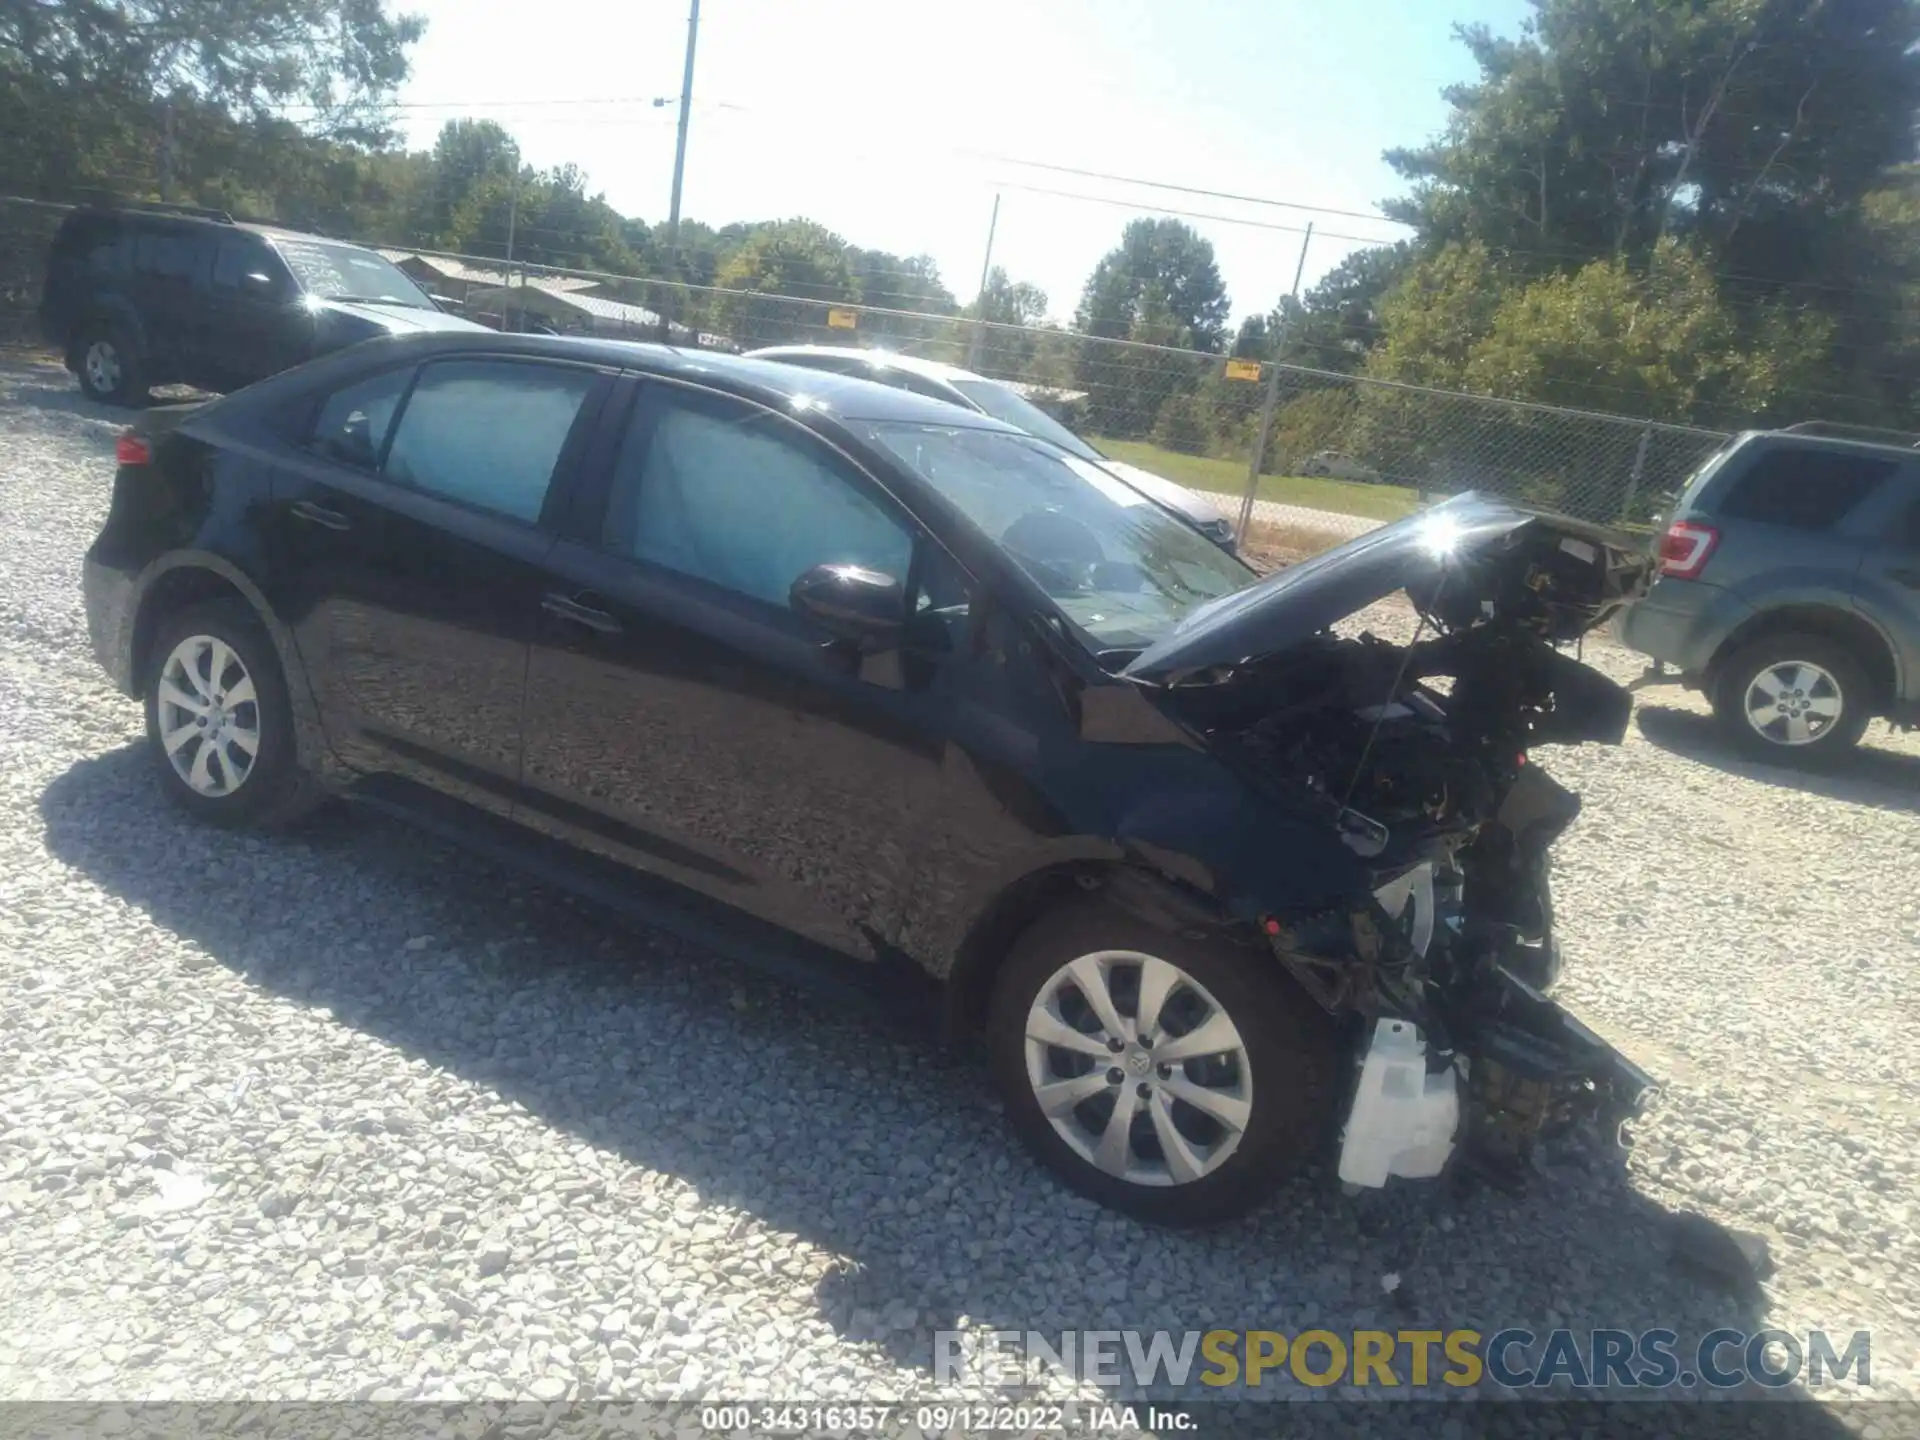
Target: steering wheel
[1056,543]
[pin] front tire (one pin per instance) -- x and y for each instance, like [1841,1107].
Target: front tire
[1793,699]
[219,722]
[1175,1079]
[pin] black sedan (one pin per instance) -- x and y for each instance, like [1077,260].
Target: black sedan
[869,690]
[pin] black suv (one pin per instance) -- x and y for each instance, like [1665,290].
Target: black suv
[137,296]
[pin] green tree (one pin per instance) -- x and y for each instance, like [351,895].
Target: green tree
[1163,266]
[1010,345]
[1006,301]
[1768,138]
[1752,127]
[1159,287]
[1663,344]
[1430,322]
[788,258]
[1660,341]
[1318,419]
[1128,386]
[98,73]
[1337,322]
[909,284]
[1182,424]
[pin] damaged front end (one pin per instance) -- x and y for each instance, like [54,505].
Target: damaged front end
[1415,757]
[1443,968]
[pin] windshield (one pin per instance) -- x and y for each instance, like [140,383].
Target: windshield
[345,272]
[1004,404]
[1120,568]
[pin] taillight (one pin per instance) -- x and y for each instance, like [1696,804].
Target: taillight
[1685,547]
[130,449]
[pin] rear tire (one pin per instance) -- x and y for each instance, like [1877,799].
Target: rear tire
[1793,699]
[110,368]
[219,722]
[1206,1137]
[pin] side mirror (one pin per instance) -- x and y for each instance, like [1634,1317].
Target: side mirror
[853,603]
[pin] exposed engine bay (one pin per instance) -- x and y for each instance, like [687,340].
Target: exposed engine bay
[1417,758]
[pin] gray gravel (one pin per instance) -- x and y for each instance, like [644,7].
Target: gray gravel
[351,1114]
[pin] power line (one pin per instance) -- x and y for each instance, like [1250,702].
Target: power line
[1188,214]
[1190,190]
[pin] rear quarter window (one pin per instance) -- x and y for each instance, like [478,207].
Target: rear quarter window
[1804,489]
[351,426]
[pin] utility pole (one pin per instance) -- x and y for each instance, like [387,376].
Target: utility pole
[979,336]
[513,220]
[680,146]
[1272,399]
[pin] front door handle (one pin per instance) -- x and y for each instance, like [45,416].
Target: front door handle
[1906,577]
[566,607]
[320,515]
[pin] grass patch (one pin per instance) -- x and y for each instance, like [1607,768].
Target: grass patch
[1229,477]
[1292,541]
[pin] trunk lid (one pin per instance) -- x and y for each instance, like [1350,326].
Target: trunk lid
[1466,560]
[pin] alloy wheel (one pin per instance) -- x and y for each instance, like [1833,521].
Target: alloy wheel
[209,716]
[103,366]
[1794,702]
[1138,1068]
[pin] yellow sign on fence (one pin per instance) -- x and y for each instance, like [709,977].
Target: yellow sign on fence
[1243,369]
[843,319]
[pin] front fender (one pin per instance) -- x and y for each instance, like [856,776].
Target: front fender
[1177,838]
[1248,854]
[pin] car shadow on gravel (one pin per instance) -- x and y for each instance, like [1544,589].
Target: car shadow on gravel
[828,1125]
[1884,779]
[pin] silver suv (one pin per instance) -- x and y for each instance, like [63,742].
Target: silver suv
[1789,589]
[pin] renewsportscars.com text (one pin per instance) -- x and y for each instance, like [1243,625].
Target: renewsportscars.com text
[1513,1359]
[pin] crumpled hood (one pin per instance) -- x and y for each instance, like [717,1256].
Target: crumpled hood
[1468,559]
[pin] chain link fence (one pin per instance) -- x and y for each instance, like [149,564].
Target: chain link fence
[1317,452]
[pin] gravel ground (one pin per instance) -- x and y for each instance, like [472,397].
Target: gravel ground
[348,1114]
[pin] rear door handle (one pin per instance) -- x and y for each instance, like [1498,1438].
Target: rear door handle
[566,607]
[320,515]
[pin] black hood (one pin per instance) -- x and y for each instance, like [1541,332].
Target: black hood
[367,318]
[1468,560]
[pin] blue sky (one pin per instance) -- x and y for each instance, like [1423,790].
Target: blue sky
[883,118]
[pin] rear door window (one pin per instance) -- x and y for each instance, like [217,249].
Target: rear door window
[1805,489]
[488,433]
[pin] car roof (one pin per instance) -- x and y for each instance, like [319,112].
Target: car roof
[188,216]
[872,355]
[1814,434]
[766,381]
[280,232]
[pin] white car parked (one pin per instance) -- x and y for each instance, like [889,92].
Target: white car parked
[1000,400]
